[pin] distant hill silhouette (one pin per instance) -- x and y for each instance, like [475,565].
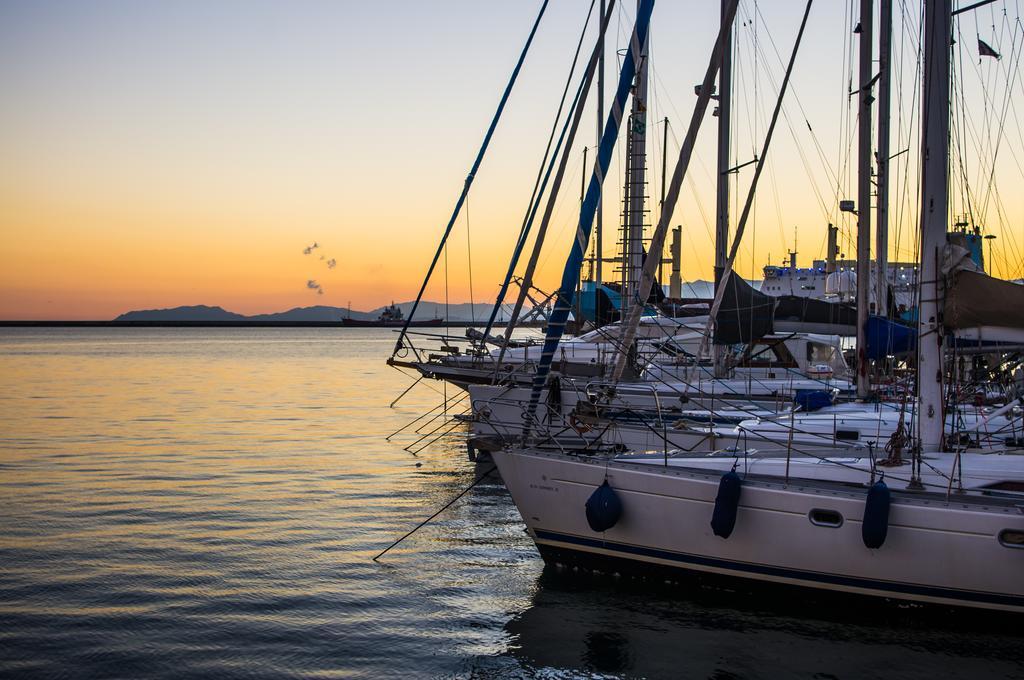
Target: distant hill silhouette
[316,313]
[460,313]
[190,313]
[319,313]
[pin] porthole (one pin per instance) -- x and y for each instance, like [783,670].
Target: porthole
[1012,538]
[821,517]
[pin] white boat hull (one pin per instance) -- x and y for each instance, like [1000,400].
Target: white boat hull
[935,552]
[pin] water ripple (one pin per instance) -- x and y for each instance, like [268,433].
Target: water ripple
[180,503]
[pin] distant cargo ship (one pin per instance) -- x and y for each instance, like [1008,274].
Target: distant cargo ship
[391,316]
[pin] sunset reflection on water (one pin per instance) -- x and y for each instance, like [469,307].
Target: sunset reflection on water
[200,502]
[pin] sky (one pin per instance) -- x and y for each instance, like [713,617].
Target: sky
[155,154]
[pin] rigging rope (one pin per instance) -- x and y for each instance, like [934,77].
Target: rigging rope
[570,274]
[472,174]
[741,224]
[542,177]
[569,134]
[469,258]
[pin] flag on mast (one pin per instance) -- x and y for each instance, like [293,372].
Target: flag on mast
[985,50]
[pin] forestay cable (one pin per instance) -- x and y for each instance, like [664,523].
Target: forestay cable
[472,174]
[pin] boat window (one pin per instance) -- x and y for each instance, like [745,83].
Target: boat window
[1011,538]
[763,354]
[848,435]
[820,353]
[825,518]
[783,355]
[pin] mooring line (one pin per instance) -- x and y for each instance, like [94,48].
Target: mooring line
[406,391]
[446,506]
[421,417]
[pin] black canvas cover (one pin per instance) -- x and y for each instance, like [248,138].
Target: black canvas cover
[822,316]
[744,315]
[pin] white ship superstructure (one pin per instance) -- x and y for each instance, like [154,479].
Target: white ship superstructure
[838,285]
[834,279]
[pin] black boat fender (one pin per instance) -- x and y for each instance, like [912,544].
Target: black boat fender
[727,503]
[876,515]
[603,508]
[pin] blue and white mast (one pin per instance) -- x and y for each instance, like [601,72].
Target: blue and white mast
[631,321]
[570,274]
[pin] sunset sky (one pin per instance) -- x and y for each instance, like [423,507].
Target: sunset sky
[155,154]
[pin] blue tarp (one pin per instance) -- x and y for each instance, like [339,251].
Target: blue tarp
[889,338]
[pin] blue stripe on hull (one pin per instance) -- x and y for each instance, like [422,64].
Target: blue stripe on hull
[683,559]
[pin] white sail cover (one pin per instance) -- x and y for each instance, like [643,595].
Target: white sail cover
[976,301]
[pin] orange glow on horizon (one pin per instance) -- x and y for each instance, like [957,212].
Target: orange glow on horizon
[158,155]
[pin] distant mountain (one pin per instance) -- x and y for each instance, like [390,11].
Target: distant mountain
[189,313]
[428,309]
[316,313]
[319,313]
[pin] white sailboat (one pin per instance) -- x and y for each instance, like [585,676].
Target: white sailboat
[638,418]
[945,528]
[964,548]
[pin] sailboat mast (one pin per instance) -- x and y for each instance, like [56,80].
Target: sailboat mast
[632,323]
[661,204]
[934,217]
[564,295]
[634,242]
[598,227]
[864,200]
[882,161]
[722,177]
[590,274]
[569,131]
[748,203]
[624,229]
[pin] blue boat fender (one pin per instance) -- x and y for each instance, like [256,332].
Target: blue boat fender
[876,515]
[727,504]
[603,508]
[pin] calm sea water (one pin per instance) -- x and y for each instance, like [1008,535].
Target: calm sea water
[206,502]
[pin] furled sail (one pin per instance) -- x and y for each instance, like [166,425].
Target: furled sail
[747,314]
[991,306]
